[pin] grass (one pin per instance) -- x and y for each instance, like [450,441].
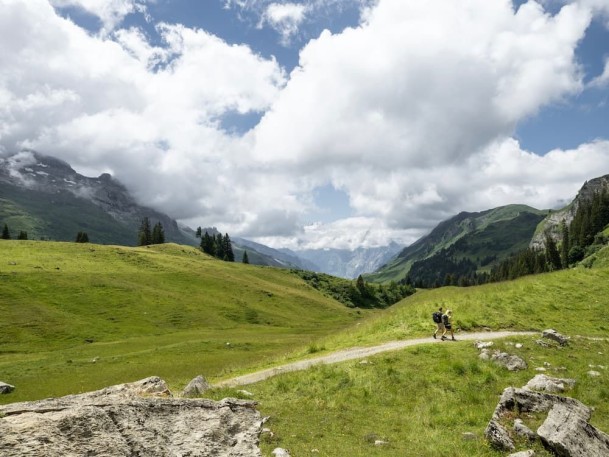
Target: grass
[80,317]
[419,401]
[166,310]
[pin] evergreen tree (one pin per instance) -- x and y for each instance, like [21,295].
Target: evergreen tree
[6,234]
[219,251]
[82,237]
[245,257]
[158,234]
[145,234]
[564,247]
[229,255]
[198,233]
[552,255]
[22,235]
[207,243]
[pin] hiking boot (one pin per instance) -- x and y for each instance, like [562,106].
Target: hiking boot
[453,339]
[434,336]
[443,337]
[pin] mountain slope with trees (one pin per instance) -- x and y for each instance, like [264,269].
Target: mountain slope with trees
[465,244]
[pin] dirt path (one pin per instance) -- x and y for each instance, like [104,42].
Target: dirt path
[358,353]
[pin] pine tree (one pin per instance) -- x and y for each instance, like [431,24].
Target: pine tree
[82,237]
[144,234]
[158,234]
[229,255]
[219,247]
[552,255]
[22,235]
[565,246]
[6,234]
[245,257]
[207,244]
[198,233]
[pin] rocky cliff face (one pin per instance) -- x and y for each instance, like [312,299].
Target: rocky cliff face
[44,175]
[138,419]
[551,224]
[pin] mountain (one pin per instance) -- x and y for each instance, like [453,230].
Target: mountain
[472,241]
[349,264]
[551,224]
[46,198]
[260,254]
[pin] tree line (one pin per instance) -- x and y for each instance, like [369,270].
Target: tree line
[218,246]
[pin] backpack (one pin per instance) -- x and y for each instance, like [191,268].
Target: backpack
[445,320]
[437,317]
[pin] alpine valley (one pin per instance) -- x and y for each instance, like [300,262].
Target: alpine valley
[49,200]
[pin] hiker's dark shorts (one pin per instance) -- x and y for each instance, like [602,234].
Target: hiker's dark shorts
[448,326]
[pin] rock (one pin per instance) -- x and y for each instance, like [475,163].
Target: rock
[469,436]
[511,362]
[565,432]
[279,452]
[569,434]
[195,387]
[518,346]
[245,393]
[545,383]
[380,443]
[483,344]
[6,388]
[554,335]
[139,418]
[521,429]
[529,453]
[485,354]
[593,374]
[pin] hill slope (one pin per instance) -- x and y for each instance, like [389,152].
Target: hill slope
[167,310]
[483,239]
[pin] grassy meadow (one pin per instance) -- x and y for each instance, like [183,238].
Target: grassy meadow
[77,317]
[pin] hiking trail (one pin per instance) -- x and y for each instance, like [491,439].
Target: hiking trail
[359,353]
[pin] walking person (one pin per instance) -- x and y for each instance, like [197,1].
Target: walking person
[448,324]
[437,318]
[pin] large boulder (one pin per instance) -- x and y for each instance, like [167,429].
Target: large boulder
[509,361]
[196,387]
[548,384]
[127,420]
[566,431]
[552,334]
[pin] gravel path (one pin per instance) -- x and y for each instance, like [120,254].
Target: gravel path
[359,353]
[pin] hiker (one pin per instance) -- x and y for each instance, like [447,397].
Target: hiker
[448,325]
[437,318]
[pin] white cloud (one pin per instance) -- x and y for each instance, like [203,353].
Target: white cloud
[285,18]
[410,114]
[602,80]
[110,12]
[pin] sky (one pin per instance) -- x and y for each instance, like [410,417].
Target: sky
[314,123]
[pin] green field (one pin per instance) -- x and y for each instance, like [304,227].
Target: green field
[77,317]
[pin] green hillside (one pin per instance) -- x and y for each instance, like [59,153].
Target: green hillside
[420,401]
[483,238]
[78,317]
[167,310]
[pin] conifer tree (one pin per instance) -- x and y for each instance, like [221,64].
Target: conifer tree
[22,235]
[564,247]
[198,233]
[82,237]
[229,256]
[207,243]
[144,234]
[158,234]
[245,257]
[6,234]
[219,247]
[552,255]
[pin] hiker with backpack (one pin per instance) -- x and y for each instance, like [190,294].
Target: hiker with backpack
[437,318]
[447,321]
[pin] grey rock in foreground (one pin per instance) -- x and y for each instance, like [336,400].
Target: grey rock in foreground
[137,419]
[196,387]
[566,431]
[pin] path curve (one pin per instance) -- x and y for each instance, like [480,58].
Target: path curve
[358,353]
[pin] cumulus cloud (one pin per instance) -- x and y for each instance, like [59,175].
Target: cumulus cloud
[410,114]
[285,18]
[110,12]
